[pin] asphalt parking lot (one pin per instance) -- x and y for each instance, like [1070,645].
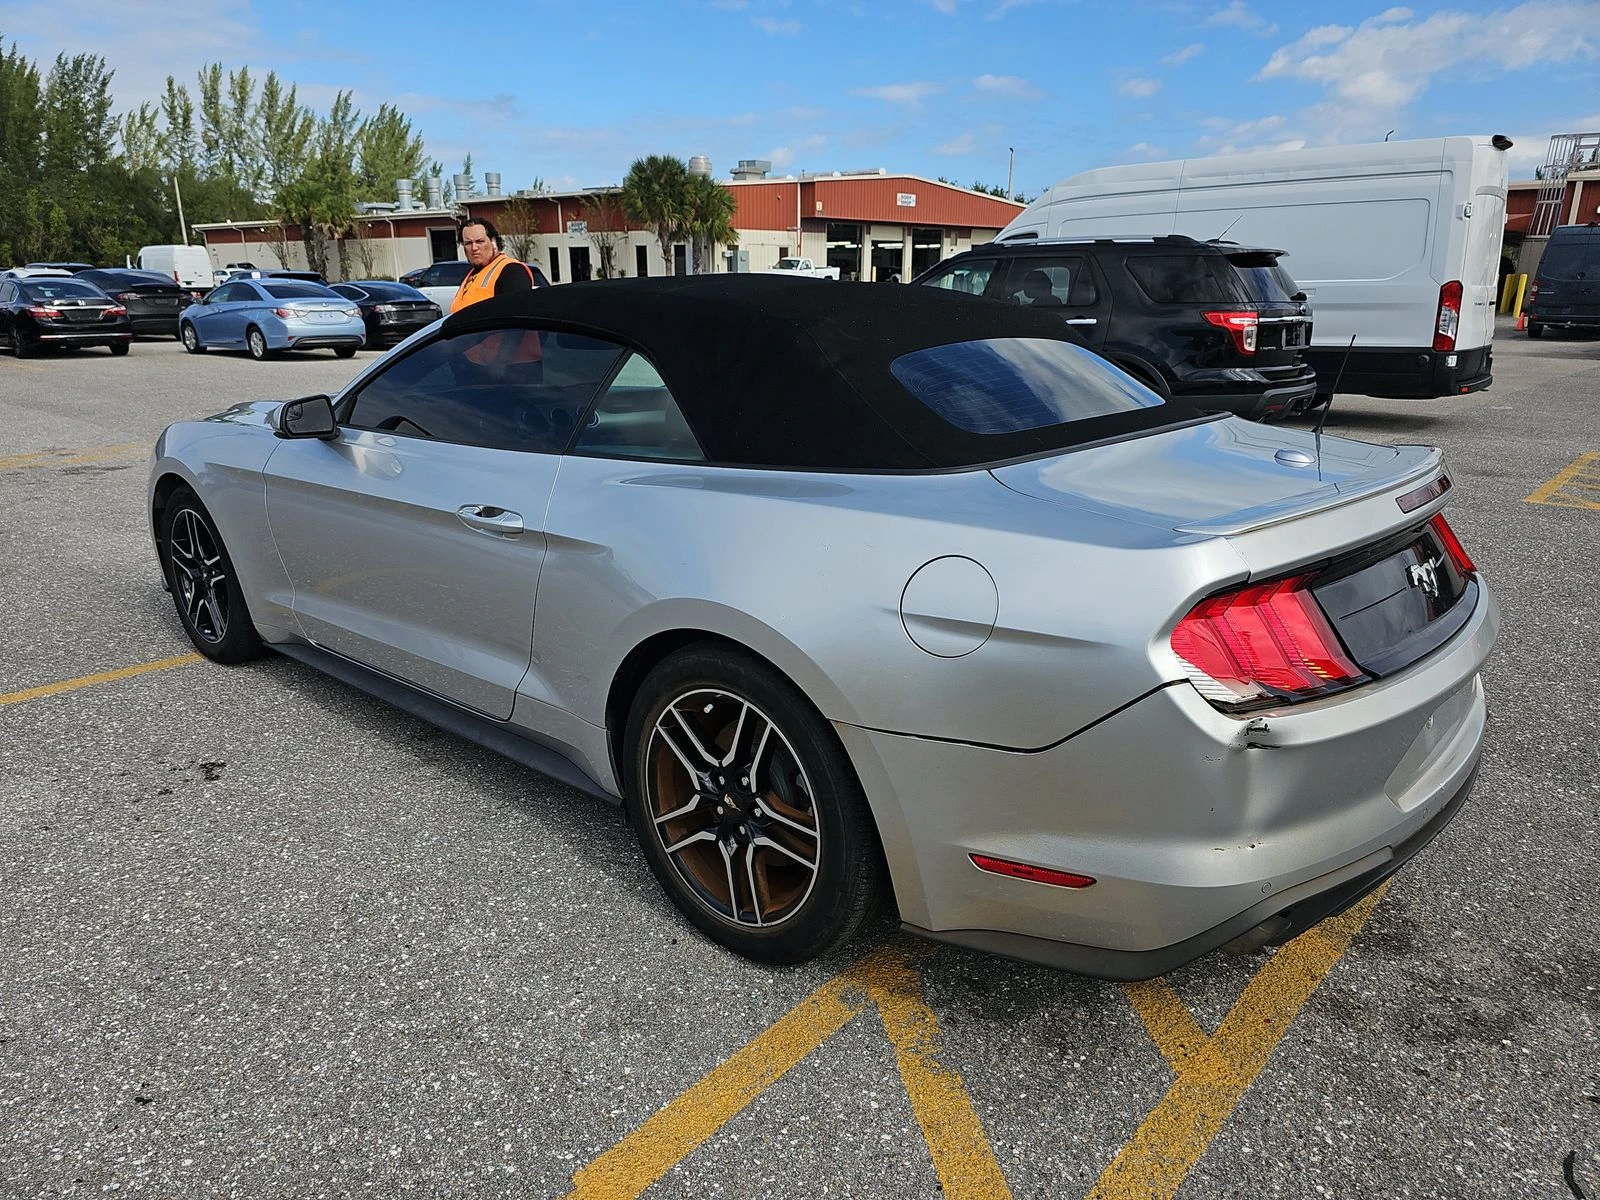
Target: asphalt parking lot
[263,936]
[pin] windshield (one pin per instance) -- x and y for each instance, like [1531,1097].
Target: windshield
[788,264]
[1011,385]
[61,289]
[299,291]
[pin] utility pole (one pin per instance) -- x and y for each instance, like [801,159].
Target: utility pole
[183,228]
[1010,172]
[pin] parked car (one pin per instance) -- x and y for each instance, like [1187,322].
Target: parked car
[839,586]
[805,267]
[222,273]
[36,273]
[440,281]
[153,301]
[1221,326]
[1566,285]
[270,315]
[43,311]
[392,311]
[72,268]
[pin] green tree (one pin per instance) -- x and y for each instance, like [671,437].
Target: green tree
[387,149]
[709,219]
[282,129]
[79,129]
[180,144]
[655,193]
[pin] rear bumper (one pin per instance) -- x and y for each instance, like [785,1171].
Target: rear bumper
[83,337]
[1248,393]
[1404,373]
[1196,826]
[1576,320]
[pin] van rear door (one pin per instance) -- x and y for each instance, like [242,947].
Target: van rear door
[1569,274]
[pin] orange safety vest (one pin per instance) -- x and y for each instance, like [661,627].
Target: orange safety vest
[479,283]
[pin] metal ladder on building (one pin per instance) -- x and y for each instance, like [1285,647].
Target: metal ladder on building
[1568,152]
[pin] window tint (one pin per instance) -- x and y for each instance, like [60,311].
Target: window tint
[1009,385]
[448,274]
[298,291]
[1050,283]
[1264,280]
[513,389]
[8,293]
[638,418]
[234,293]
[970,275]
[61,289]
[1570,254]
[349,292]
[1176,279]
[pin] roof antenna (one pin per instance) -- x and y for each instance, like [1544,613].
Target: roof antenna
[1328,407]
[1229,229]
[1388,135]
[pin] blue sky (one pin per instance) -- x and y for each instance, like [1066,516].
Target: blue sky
[571,92]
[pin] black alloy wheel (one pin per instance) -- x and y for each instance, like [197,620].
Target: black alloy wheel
[190,339]
[748,810]
[19,344]
[204,586]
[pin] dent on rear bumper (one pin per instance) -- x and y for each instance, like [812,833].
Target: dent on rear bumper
[1185,817]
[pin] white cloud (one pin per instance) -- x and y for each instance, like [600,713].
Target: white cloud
[965,144]
[776,27]
[1139,87]
[909,94]
[1182,56]
[783,157]
[1010,86]
[803,112]
[1240,15]
[1142,152]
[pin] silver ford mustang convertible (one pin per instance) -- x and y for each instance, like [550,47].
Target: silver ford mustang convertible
[854,594]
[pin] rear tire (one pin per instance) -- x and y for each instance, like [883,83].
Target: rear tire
[1535,330]
[118,348]
[344,351]
[747,808]
[205,587]
[19,344]
[256,342]
[190,338]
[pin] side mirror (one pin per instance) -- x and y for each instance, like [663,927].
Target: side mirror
[308,417]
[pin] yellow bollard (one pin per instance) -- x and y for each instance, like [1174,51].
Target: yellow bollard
[1522,289]
[1505,293]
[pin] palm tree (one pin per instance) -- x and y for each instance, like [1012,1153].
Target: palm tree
[655,194]
[710,218]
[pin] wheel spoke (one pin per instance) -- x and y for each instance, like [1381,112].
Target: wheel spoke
[705,835]
[755,759]
[695,773]
[219,623]
[682,811]
[750,873]
[767,810]
[738,731]
[733,891]
[770,844]
[711,759]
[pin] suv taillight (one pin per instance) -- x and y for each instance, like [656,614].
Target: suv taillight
[1265,642]
[1242,325]
[1533,294]
[1444,329]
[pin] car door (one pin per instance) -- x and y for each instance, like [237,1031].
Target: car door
[414,538]
[1065,285]
[971,275]
[214,318]
[8,301]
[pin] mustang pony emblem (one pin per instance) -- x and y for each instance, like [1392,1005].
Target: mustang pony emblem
[1425,575]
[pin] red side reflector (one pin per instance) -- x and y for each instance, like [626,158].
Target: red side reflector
[1016,870]
[1412,501]
[1452,545]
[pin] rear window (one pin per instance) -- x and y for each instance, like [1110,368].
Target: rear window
[1012,385]
[299,291]
[1569,255]
[60,289]
[1265,281]
[1177,279]
[451,272]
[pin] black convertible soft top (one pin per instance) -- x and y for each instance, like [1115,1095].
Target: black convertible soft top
[779,372]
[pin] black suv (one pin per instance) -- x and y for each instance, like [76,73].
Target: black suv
[1566,287]
[1219,325]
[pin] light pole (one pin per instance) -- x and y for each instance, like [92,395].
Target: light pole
[1010,172]
[183,229]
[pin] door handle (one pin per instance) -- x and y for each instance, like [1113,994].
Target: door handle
[486,518]
[1082,321]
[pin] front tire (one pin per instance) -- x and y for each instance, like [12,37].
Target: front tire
[204,586]
[256,342]
[747,809]
[190,339]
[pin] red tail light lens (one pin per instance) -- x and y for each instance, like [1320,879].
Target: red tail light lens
[1264,642]
[1444,330]
[126,296]
[1452,545]
[1243,326]
[43,314]
[116,310]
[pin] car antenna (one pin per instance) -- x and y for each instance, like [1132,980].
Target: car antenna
[1337,375]
[1229,229]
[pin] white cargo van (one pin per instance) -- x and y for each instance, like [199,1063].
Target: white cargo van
[190,266]
[1396,243]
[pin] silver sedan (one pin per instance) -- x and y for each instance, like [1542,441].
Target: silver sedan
[858,596]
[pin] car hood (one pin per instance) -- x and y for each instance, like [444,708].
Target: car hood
[250,412]
[1218,477]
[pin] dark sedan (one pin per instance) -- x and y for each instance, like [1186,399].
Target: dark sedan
[152,299]
[56,311]
[392,311]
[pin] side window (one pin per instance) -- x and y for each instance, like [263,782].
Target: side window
[8,293]
[638,418]
[509,389]
[1175,279]
[970,275]
[1050,283]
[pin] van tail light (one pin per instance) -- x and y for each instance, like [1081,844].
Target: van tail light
[1533,294]
[1452,544]
[1263,643]
[39,312]
[1242,325]
[1445,328]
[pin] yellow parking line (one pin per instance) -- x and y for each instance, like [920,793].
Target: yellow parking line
[1577,485]
[62,458]
[83,681]
[1213,1077]
[11,361]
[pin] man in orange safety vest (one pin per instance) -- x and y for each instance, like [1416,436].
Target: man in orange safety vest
[494,272]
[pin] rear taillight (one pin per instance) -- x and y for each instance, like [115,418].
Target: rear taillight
[1243,326]
[126,296]
[1264,642]
[287,313]
[1452,545]
[115,310]
[1444,329]
[41,313]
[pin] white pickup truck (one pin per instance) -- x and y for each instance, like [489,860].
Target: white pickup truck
[802,266]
